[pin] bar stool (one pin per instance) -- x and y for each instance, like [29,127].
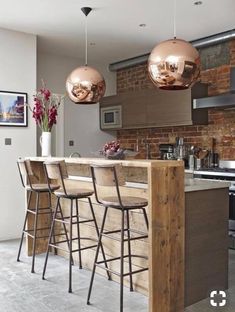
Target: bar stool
[110,175]
[26,174]
[57,170]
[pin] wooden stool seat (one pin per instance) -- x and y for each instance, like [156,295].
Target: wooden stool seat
[128,202]
[41,187]
[73,193]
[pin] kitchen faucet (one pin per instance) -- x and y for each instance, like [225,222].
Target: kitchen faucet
[75,154]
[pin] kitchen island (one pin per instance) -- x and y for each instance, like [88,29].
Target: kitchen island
[187,249]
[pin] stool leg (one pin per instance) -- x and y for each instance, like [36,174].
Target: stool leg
[70,245]
[97,231]
[78,232]
[24,226]
[50,237]
[65,230]
[35,231]
[146,218]
[121,263]
[96,255]
[53,235]
[129,249]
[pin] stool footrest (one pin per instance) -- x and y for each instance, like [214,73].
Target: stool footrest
[125,230]
[136,271]
[118,258]
[84,248]
[38,229]
[137,237]
[75,238]
[117,273]
[87,220]
[126,239]
[33,211]
[27,232]
[74,250]
[37,237]
[73,222]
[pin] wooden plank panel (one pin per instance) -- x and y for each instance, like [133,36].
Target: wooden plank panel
[166,276]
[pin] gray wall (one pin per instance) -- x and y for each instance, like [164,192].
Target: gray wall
[17,73]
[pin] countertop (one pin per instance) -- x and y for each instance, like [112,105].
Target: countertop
[190,185]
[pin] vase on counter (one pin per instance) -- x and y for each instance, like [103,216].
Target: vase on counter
[45,142]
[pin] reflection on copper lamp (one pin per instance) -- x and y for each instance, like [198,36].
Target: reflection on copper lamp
[85,85]
[174,64]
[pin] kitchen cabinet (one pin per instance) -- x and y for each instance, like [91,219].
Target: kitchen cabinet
[158,108]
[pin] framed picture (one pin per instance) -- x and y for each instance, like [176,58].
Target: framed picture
[13,111]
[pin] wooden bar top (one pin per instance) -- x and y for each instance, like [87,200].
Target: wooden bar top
[126,163]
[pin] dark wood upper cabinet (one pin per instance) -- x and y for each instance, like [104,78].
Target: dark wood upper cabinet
[159,108]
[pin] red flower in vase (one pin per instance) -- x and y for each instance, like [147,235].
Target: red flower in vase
[45,109]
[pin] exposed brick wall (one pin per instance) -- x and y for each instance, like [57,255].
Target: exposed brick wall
[221,122]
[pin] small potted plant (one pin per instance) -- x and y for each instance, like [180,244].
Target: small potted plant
[112,150]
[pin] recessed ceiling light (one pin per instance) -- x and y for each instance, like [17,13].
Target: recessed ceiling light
[197,2]
[142,25]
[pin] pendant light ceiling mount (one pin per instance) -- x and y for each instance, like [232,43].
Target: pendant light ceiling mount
[174,64]
[86,10]
[85,85]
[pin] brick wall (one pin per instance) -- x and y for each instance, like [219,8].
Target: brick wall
[221,122]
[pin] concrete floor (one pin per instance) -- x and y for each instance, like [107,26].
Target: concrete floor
[21,291]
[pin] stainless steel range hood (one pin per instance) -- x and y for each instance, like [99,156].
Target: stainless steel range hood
[222,100]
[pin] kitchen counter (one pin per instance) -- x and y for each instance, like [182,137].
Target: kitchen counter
[193,185]
[190,184]
[184,260]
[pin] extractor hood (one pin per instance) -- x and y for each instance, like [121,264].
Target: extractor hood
[222,100]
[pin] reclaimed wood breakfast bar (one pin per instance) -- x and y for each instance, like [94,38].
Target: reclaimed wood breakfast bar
[177,261]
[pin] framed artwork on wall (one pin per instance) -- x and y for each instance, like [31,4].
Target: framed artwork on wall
[13,109]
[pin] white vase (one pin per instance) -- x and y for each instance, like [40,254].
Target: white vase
[45,142]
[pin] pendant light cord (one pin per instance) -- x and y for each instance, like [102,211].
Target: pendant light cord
[174,19]
[86,53]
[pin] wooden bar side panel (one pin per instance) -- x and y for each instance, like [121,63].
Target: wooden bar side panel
[166,234]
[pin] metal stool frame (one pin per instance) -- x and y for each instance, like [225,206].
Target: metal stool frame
[26,173]
[61,173]
[115,181]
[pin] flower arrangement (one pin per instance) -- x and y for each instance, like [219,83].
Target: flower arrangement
[45,108]
[112,150]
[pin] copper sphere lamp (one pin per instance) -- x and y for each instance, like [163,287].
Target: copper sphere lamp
[174,64]
[85,85]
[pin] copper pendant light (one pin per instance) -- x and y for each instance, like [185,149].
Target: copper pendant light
[85,85]
[174,64]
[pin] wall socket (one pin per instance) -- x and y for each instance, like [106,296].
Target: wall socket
[7,141]
[71,142]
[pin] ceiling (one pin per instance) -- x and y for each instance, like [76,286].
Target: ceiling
[113,25]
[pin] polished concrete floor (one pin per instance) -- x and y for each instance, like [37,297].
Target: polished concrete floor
[21,291]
